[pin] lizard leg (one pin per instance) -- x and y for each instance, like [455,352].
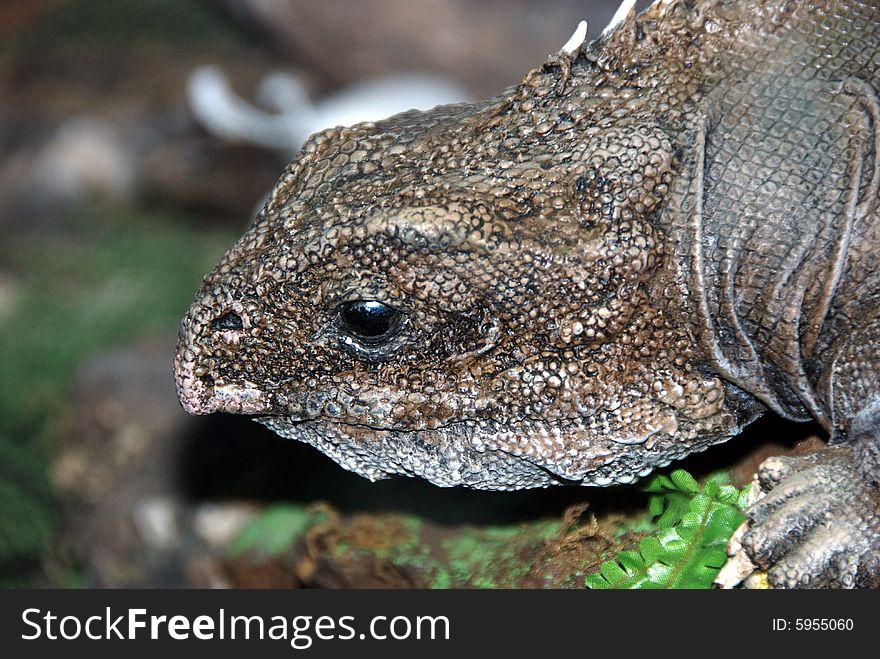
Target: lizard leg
[820,526]
[819,523]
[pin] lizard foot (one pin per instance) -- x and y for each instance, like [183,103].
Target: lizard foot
[818,525]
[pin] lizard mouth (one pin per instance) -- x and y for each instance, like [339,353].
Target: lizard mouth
[203,395]
[291,421]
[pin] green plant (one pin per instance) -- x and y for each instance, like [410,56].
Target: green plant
[688,548]
[274,531]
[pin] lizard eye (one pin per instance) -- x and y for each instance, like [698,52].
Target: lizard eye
[369,320]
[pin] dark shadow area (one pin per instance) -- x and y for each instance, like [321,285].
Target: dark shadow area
[231,457]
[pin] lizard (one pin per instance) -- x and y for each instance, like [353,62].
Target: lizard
[656,237]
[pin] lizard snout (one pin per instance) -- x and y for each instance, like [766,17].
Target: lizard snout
[200,388]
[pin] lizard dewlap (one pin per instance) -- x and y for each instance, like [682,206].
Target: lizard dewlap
[651,240]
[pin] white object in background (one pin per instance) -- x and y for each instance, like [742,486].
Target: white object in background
[295,116]
[88,156]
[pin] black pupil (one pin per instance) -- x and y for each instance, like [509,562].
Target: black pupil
[367,318]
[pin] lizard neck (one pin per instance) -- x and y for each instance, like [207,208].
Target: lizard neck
[775,190]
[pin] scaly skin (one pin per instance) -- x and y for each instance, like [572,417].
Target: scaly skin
[623,260]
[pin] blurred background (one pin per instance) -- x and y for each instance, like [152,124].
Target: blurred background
[137,139]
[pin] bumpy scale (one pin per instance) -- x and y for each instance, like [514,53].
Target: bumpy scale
[626,258]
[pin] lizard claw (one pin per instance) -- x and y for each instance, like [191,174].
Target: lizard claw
[818,525]
[824,560]
[783,518]
[776,469]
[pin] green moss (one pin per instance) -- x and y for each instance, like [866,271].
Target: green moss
[646,523]
[340,549]
[495,557]
[413,527]
[442,580]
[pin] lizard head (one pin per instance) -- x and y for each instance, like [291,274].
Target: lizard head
[472,295]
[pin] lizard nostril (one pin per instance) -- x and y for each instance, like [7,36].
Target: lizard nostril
[228,321]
